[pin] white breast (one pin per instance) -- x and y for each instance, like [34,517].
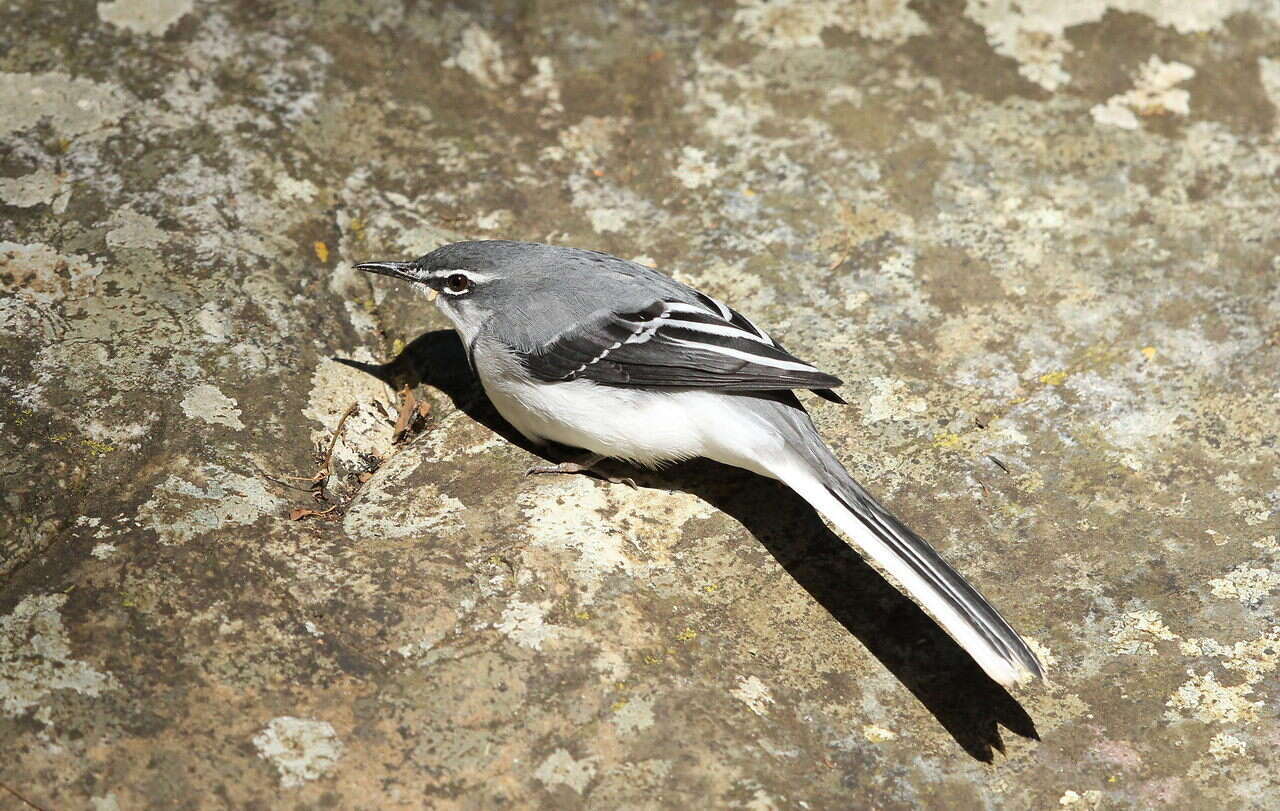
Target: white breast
[645,426]
[649,427]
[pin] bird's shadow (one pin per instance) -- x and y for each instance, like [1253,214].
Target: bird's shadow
[937,671]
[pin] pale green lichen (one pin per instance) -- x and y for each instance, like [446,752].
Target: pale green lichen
[560,768]
[1137,632]
[1153,94]
[36,659]
[144,16]
[635,714]
[526,624]
[180,509]
[990,271]
[207,404]
[1248,584]
[800,23]
[377,514]
[41,187]
[481,56]
[1206,699]
[1033,32]
[754,693]
[130,229]
[301,749]
[71,106]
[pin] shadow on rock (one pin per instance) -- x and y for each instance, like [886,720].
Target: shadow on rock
[937,671]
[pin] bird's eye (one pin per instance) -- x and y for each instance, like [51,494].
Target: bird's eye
[457,283]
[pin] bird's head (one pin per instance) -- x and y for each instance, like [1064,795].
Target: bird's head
[530,284]
[465,279]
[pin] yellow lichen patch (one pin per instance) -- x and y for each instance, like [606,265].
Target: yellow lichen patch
[1097,357]
[948,439]
[97,448]
[322,251]
[687,634]
[1148,352]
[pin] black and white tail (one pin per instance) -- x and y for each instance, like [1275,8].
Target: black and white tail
[959,608]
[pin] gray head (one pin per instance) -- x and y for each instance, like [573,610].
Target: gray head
[462,268]
[534,286]
[473,279]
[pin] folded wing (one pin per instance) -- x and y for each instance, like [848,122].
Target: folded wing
[675,344]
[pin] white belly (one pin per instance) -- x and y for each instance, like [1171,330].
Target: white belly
[646,427]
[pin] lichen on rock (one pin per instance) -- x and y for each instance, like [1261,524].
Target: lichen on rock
[1035,239]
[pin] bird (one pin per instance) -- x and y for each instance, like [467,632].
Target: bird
[587,350]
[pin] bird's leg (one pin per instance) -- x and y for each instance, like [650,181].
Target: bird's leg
[585,466]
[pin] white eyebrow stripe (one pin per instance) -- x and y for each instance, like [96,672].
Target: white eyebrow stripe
[470,274]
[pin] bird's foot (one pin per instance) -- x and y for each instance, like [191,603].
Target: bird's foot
[586,468]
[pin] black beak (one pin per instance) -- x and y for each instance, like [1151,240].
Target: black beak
[396,270]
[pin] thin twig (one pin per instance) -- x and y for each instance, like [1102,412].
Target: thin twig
[302,512]
[999,464]
[278,480]
[322,477]
[22,799]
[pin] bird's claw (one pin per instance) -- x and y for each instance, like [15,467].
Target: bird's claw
[563,467]
[574,467]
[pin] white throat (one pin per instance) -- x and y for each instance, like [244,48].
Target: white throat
[466,320]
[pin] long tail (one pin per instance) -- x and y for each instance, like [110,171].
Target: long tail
[965,614]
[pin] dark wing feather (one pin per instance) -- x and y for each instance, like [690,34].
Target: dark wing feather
[738,319]
[673,344]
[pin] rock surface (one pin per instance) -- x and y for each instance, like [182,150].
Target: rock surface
[1039,245]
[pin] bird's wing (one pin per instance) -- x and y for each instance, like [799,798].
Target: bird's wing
[674,344]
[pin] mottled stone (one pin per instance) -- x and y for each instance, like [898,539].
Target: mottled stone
[1036,239]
